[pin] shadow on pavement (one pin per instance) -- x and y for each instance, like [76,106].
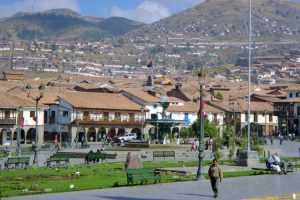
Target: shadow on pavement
[199,195]
[125,198]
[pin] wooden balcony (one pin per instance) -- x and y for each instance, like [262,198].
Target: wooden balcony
[8,121]
[110,121]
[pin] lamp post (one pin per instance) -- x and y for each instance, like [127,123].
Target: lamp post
[234,106]
[18,150]
[265,112]
[36,99]
[287,124]
[142,122]
[60,116]
[200,171]
[249,69]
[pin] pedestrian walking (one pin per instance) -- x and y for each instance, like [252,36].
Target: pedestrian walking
[215,175]
[280,139]
[272,139]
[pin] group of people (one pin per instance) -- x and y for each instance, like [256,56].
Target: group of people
[274,162]
[91,152]
[208,144]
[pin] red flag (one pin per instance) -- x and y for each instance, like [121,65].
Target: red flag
[22,122]
[202,104]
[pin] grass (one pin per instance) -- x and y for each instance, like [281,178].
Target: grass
[94,176]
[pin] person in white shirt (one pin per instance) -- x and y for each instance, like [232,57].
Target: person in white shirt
[273,162]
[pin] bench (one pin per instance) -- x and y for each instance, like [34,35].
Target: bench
[142,175]
[16,161]
[163,154]
[58,158]
[27,150]
[289,167]
[97,156]
[45,147]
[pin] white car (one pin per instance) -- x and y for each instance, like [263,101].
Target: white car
[127,137]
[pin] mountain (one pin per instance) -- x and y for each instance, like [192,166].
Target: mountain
[63,24]
[228,20]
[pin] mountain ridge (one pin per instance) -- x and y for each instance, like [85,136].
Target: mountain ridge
[63,24]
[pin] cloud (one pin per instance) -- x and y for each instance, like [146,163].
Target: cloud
[147,11]
[36,5]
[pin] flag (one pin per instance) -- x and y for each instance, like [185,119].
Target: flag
[22,122]
[204,114]
[150,64]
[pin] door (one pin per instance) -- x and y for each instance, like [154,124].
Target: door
[1,138]
[186,118]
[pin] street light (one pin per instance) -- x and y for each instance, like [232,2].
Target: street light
[36,99]
[200,171]
[234,106]
[18,150]
[142,122]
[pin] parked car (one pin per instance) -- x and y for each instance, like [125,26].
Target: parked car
[128,137]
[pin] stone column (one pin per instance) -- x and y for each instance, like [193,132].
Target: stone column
[248,158]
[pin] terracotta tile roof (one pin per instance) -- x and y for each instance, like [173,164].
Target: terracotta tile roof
[11,101]
[268,98]
[289,100]
[243,106]
[99,101]
[142,95]
[186,107]
[49,97]
[293,87]
[193,107]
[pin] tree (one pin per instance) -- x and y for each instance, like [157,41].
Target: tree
[53,47]
[210,130]
[219,96]
[157,49]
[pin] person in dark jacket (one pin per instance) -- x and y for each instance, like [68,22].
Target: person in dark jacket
[215,175]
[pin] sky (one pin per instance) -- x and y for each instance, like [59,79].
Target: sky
[147,11]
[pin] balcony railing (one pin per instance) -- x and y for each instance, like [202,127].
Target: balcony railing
[109,120]
[12,120]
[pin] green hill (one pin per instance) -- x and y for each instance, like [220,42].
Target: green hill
[63,24]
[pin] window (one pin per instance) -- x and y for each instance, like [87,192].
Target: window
[297,94]
[154,105]
[117,116]
[270,118]
[52,114]
[65,113]
[298,110]
[8,135]
[131,116]
[6,114]
[255,117]
[291,94]
[154,117]
[32,114]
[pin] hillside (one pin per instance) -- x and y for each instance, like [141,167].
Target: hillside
[63,24]
[228,20]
